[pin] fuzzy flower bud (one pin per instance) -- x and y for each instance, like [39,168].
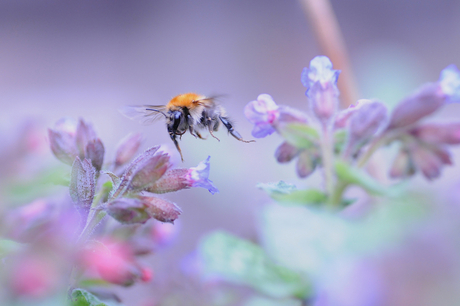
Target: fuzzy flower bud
[367,119]
[321,83]
[430,160]
[127,148]
[177,179]
[69,140]
[437,133]
[139,210]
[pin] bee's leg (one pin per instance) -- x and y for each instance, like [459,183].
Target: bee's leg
[232,131]
[211,127]
[190,125]
[199,135]
[173,138]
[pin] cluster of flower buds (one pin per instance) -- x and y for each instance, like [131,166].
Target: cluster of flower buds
[359,126]
[126,194]
[150,171]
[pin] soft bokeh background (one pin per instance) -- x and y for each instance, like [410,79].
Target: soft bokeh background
[88,58]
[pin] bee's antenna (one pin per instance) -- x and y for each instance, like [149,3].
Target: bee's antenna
[158,111]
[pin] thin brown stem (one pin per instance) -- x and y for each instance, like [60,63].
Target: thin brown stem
[326,28]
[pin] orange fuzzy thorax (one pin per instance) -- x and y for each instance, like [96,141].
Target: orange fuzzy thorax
[185,100]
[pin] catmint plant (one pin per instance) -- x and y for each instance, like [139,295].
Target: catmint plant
[64,243]
[310,251]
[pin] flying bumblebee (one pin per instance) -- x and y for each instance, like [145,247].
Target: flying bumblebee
[190,111]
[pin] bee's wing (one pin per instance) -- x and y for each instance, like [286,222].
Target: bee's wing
[145,114]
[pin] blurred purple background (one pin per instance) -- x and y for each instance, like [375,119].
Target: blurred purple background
[88,58]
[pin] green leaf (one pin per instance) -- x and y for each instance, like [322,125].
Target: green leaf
[299,135]
[340,137]
[277,188]
[81,297]
[356,176]
[242,262]
[288,194]
[9,246]
[301,197]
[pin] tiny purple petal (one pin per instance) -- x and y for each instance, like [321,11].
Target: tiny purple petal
[320,71]
[263,112]
[450,83]
[199,176]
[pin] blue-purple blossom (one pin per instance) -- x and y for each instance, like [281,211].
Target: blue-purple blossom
[321,82]
[320,71]
[449,81]
[199,176]
[263,113]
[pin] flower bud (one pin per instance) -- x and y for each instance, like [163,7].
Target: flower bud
[286,152]
[127,149]
[161,209]
[403,165]
[141,173]
[69,140]
[178,179]
[128,211]
[114,261]
[430,160]
[368,119]
[438,133]
[306,164]
[424,102]
[95,152]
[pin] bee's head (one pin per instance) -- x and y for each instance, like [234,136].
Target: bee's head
[176,122]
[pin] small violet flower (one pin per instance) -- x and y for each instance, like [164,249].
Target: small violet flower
[320,71]
[199,176]
[321,83]
[263,112]
[449,81]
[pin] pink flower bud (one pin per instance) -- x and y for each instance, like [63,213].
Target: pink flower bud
[161,209]
[114,261]
[33,276]
[438,133]
[127,148]
[178,179]
[146,274]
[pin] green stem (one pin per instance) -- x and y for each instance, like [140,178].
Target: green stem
[336,197]
[328,160]
[376,144]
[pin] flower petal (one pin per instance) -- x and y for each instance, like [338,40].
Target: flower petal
[449,81]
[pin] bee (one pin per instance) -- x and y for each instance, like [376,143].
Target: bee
[189,111]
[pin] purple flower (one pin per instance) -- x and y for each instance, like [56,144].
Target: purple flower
[449,81]
[199,176]
[321,82]
[320,71]
[263,112]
